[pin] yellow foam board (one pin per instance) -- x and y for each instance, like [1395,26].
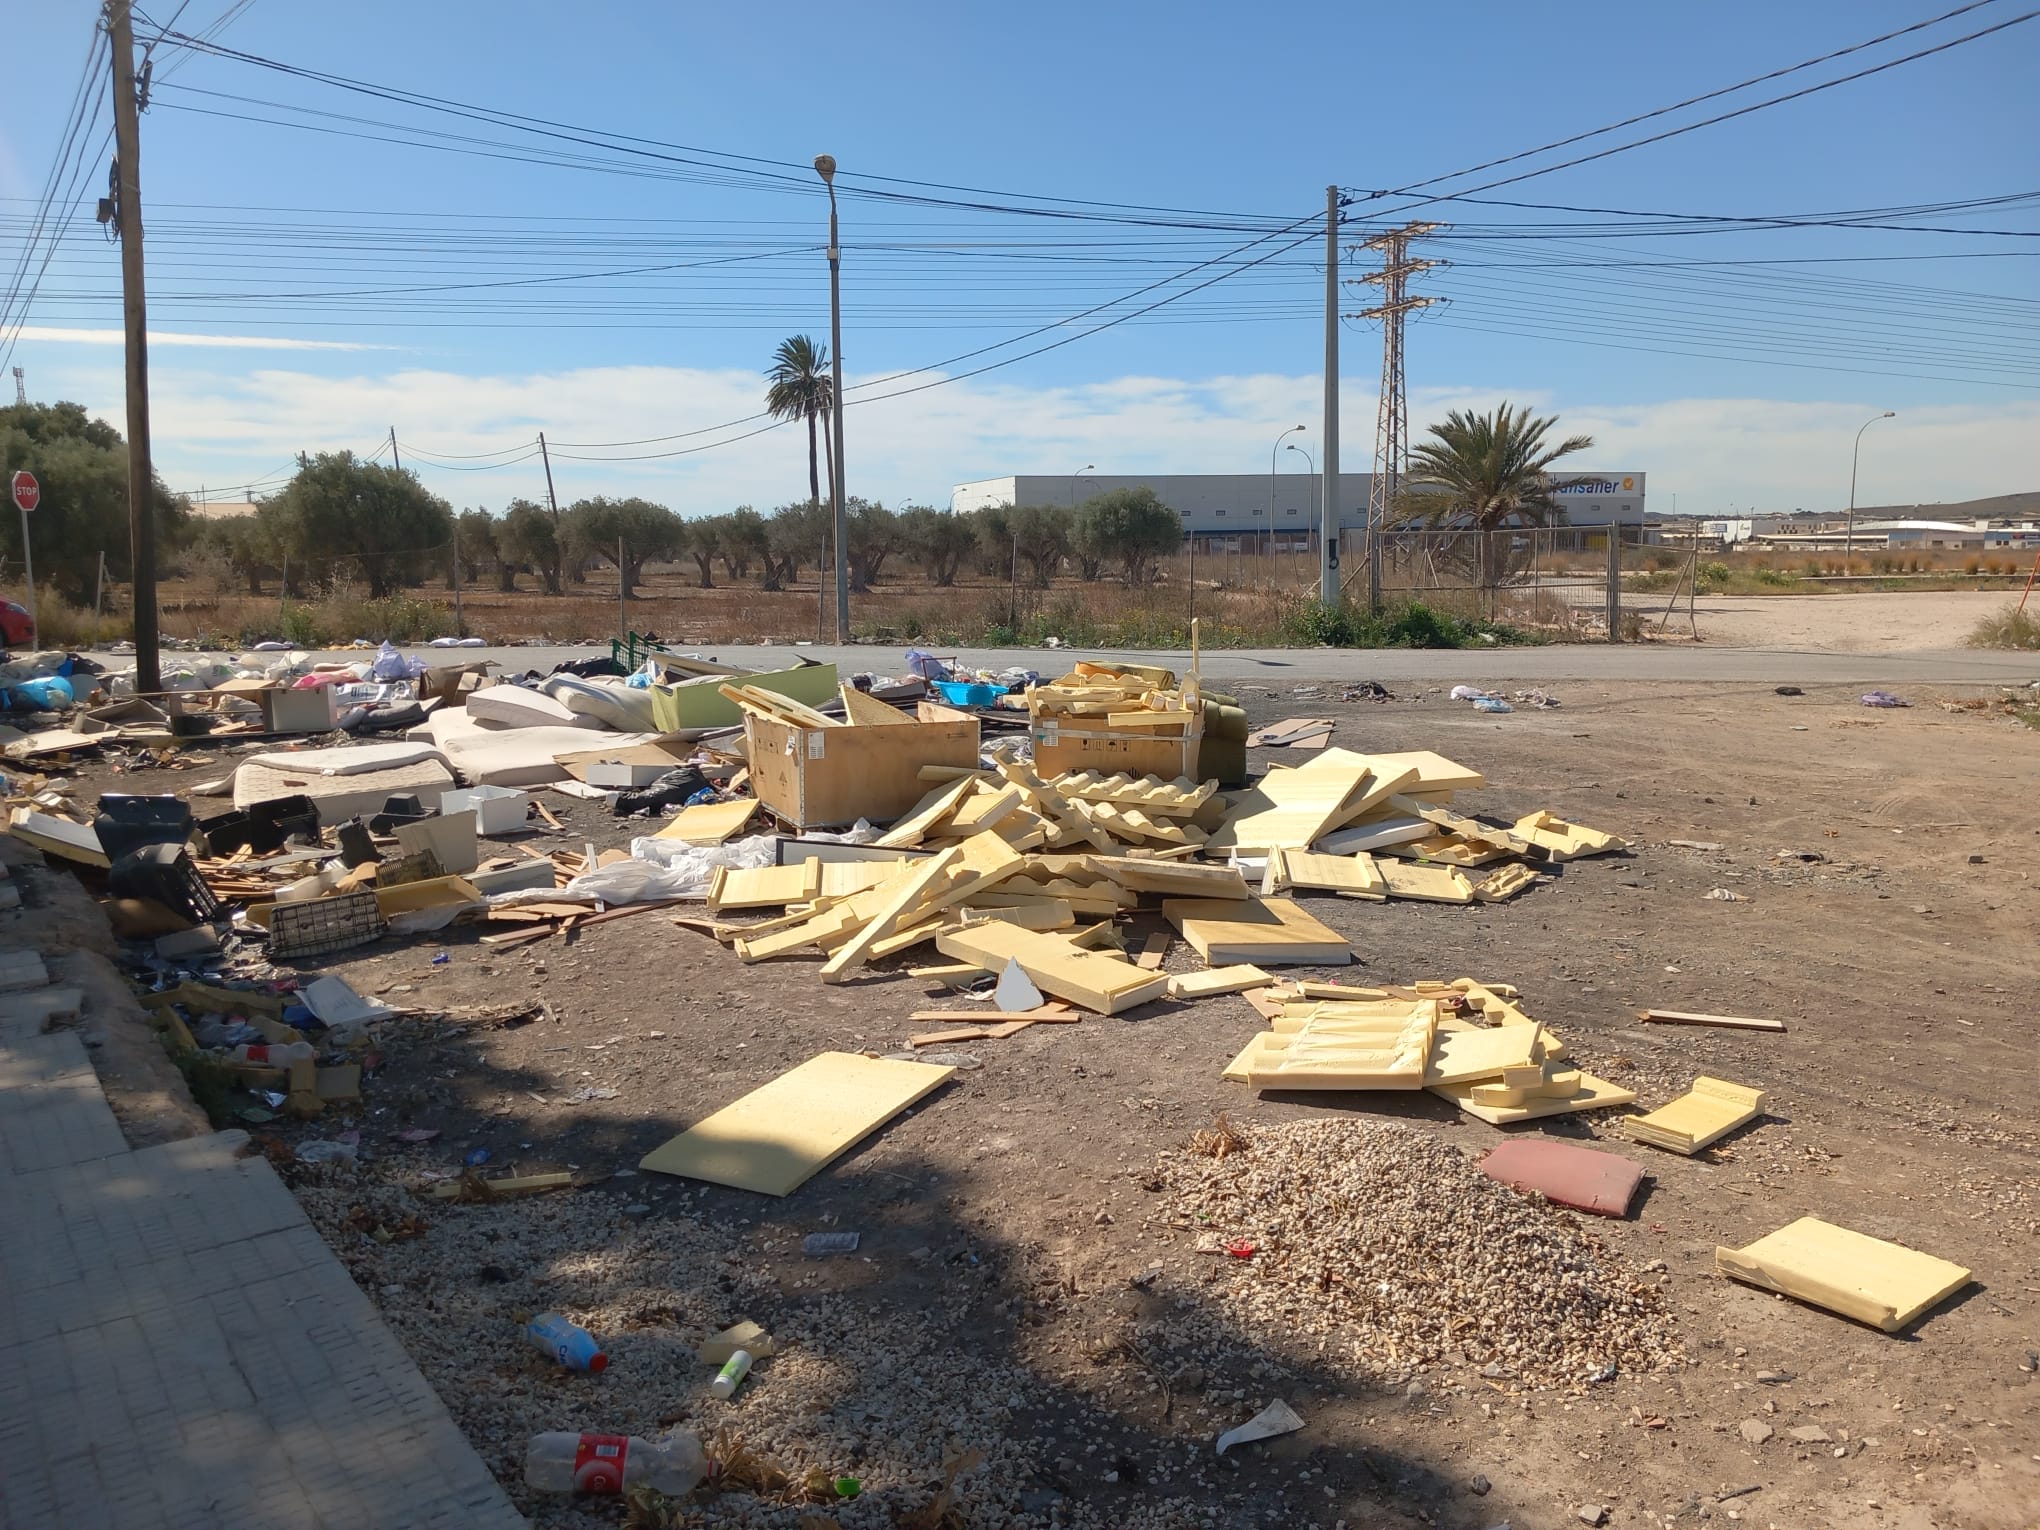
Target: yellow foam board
[710,823]
[1265,931]
[776,1137]
[1710,1110]
[1198,985]
[1564,841]
[1383,1053]
[1852,1273]
[1594,1094]
[1434,773]
[1471,1055]
[1291,809]
[1427,884]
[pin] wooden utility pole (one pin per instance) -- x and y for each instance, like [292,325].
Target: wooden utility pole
[127,135]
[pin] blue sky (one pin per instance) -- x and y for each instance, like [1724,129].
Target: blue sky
[1731,384]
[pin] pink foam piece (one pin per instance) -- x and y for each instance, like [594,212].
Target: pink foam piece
[1583,1178]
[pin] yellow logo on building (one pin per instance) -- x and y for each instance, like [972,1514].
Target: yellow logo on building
[1629,483]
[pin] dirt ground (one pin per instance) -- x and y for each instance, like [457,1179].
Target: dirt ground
[1854,621]
[1887,911]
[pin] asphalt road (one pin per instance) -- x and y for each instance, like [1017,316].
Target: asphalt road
[1556,664]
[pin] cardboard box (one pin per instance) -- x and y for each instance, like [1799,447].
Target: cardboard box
[827,777]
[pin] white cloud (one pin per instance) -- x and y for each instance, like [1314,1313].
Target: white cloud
[61,336]
[219,428]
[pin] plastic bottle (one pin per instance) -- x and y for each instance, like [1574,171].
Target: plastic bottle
[563,1462]
[567,1342]
[275,1056]
[732,1375]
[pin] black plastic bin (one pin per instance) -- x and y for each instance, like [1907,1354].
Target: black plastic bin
[165,874]
[127,823]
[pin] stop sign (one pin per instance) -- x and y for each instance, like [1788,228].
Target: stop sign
[27,492]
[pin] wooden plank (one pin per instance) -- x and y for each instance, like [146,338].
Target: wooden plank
[1861,1277]
[517,1184]
[1051,1012]
[779,708]
[710,823]
[1154,950]
[1200,985]
[1105,984]
[1727,1022]
[1264,931]
[776,1137]
[1292,733]
[982,809]
[940,1038]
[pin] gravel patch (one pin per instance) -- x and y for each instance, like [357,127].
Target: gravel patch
[1395,1255]
[880,1387]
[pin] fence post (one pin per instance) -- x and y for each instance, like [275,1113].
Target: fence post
[1614,583]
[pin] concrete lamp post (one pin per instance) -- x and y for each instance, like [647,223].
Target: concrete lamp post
[1849,539]
[825,167]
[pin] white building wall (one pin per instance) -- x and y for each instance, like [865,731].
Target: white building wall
[1256,504]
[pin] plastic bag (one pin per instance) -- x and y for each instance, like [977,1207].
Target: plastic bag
[391,665]
[658,868]
[926,665]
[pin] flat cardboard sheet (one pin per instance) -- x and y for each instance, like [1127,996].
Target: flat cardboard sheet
[1263,931]
[776,1137]
[1584,1178]
[1848,1272]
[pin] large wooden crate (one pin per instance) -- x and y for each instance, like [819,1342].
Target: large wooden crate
[816,778]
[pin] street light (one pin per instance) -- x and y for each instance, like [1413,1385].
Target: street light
[825,167]
[1307,457]
[1087,467]
[1271,470]
[1849,540]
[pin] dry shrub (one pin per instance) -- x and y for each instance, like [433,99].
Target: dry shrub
[1223,1138]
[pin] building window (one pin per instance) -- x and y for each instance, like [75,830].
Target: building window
[1260,512]
[1221,515]
[1292,512]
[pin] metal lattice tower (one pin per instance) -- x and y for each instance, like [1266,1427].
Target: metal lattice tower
[1392,424]
[20,386]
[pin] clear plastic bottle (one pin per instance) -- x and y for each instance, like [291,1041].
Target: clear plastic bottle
[567,1342]
[266,1056]
[563,1462]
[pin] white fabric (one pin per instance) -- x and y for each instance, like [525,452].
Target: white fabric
[515,706]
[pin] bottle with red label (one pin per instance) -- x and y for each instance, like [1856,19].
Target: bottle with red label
[567,1342]
[564,1462]
[274,1056]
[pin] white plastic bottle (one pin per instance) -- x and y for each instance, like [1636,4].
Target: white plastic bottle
[732,1375]
[563,1462]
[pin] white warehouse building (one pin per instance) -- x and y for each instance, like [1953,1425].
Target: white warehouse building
[1276,511]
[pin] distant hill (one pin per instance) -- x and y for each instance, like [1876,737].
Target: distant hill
[2018,507]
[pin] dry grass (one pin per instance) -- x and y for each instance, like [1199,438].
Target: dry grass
[2009,628]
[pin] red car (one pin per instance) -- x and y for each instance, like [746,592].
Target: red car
[16,629]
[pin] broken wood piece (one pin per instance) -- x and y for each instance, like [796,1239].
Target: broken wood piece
[1154,950]
[931,810]
[516,1184]
[710,823]
[1051,1012]
[865,710]
[1293,733]
[1564,841]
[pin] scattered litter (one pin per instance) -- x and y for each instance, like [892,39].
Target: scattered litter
[717,1349]
[567,1342]
[1016,991]
[325,1151]
[588,1092]
[1723,895]
[1492,704]
[1726,1022]
[1275,1419]
[1708,1111]
[1882,699]
[476,1158]
[818,1245]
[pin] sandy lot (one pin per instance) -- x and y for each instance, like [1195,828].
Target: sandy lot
[1866,622]
[1027,1287]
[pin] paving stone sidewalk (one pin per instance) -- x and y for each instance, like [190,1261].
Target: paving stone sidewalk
[178,1346]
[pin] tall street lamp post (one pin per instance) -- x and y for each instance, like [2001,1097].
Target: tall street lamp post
[1072,496]
[1849,540]
[825,167]
[1307,457]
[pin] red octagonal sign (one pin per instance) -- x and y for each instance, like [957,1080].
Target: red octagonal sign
[27,492]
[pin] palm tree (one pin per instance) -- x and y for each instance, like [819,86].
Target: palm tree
[802,389]
[1484,472]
